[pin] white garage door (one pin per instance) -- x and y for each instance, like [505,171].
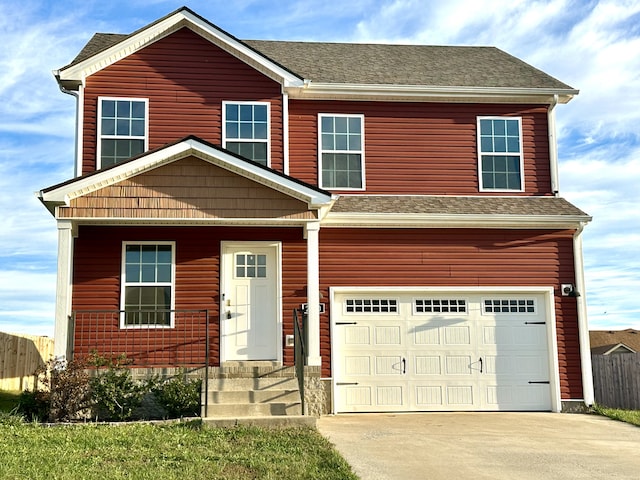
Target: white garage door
[424,352]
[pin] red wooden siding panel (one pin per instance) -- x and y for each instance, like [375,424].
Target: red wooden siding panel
[457,258]
[420,148]
[185,78]
[98,259]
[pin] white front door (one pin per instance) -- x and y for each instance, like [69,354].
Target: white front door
[249,314]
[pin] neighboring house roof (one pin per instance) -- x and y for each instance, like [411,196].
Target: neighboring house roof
[604,342]
[452,211]
[609,349]
[393,69]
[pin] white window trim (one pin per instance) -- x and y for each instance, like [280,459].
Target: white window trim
[124,284]
[118,137]
[224,127]
[520,155]
[361,151]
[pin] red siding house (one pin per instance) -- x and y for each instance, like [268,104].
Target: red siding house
[403,200]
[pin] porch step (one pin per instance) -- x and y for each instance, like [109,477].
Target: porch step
[280,421]
[251,390]
[251,370]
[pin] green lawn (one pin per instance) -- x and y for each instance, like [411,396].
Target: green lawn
[628,416]
[8,400]
[142,451]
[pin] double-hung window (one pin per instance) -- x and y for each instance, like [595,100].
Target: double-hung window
[341,151]
[500,153]
[246,130]
[148,279]
[122,129]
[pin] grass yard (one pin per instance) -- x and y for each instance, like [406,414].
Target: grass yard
[628,416]
[8,400]
[154,452]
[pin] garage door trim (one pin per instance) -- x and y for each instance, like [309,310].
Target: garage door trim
[548,307]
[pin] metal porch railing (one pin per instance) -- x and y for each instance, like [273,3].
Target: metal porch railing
[299,355]
[159,338]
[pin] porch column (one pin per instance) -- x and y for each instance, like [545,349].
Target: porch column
[62,344]
[313,293]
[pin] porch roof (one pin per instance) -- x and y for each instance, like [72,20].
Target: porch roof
[65,193]
[455,211]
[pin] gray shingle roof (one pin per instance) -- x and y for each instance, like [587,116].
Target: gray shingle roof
[450,205]
[378,64]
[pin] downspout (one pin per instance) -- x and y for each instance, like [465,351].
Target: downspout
[553,146]
[583,325]
[285,133]
[76,95]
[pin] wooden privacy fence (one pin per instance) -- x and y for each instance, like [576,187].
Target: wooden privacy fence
[20,356]
[616,380]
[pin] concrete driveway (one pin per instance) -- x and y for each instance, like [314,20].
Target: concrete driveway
[458,446]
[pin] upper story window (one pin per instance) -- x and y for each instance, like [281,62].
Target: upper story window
[500,153]
[245,130]
[148,273]
[122,129]
[341,151]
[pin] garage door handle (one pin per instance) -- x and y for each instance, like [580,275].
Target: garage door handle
[404,366]
[480,364]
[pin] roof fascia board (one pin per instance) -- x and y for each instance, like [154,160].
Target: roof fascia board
[418,220]
[167,26]
[65,193]
[123,221]
[313,90]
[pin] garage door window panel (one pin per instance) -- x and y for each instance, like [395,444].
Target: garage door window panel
[435,305]
[502,305]
[374,305]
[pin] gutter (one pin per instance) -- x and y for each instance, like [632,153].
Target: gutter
[553,146]
[76,95]
[583,324]
[451,93]
[419,220]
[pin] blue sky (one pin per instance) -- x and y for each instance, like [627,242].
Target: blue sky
[591,45]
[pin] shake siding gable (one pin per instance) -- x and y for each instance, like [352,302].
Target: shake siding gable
[186,79]
[457,258]
[421,148]
[188,188]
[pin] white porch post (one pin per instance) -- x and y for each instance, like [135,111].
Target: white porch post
[583,324]
[312,231]
[62,344]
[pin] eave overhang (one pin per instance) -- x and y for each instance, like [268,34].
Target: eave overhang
[74,75]
[62,194]
[457,94]
[485,221]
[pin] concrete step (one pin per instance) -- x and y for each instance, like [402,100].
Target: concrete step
[282,421]
[253,409]
[251,370]
[246,384]
[254,396]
